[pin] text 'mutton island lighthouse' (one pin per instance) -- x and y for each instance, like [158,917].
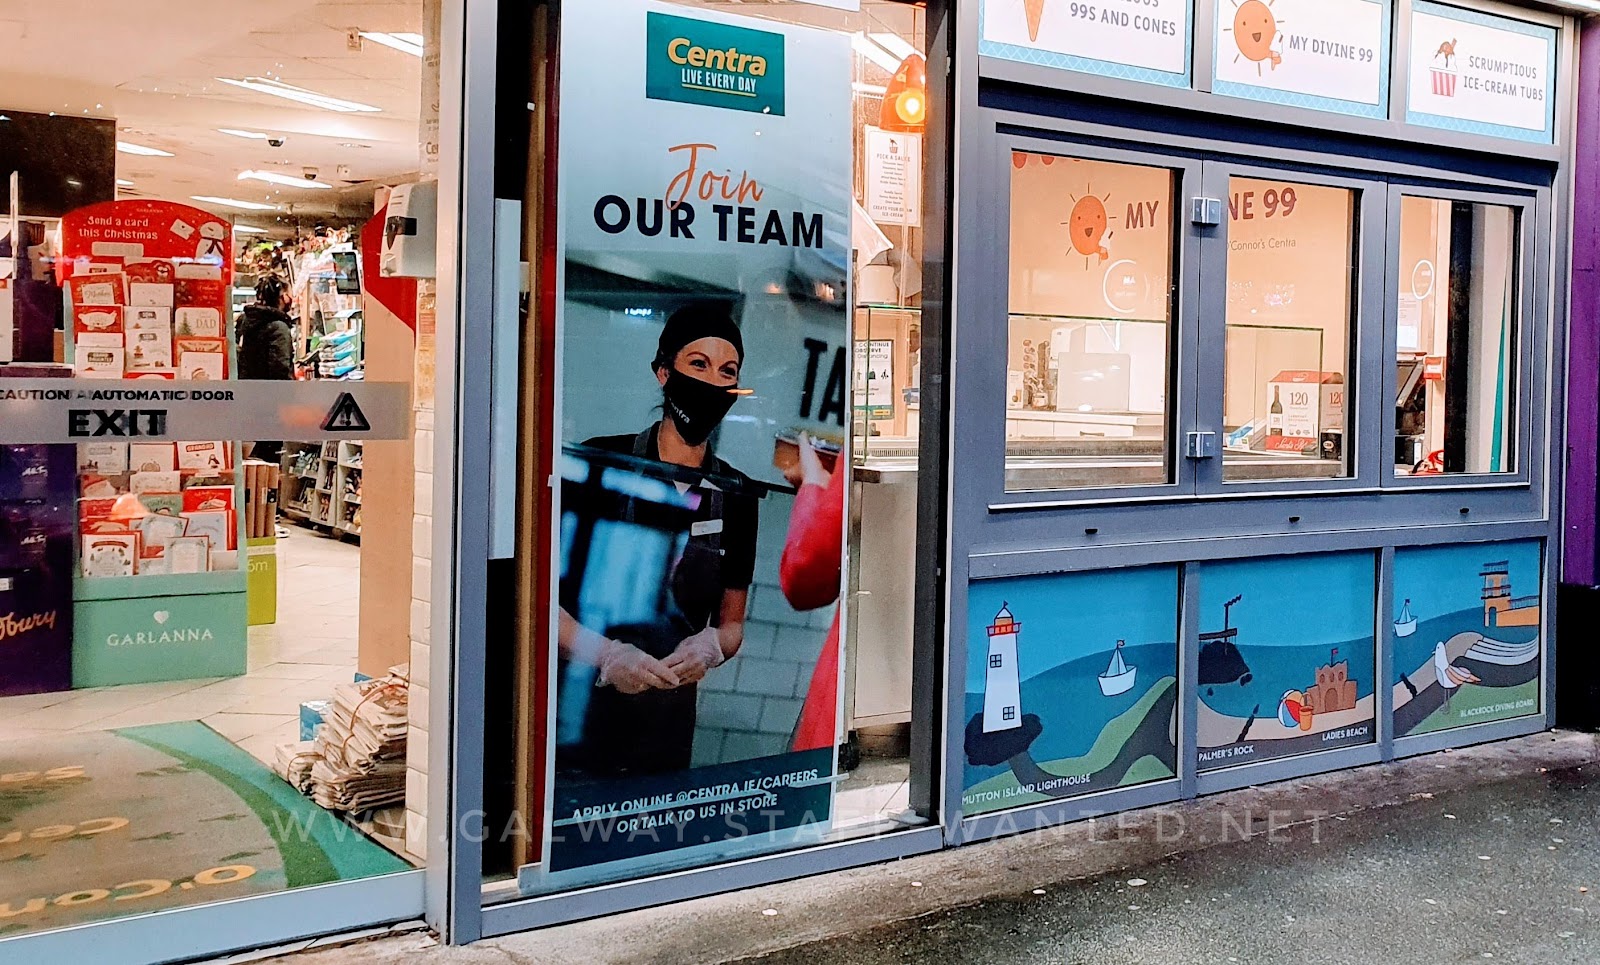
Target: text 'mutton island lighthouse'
[1002,688]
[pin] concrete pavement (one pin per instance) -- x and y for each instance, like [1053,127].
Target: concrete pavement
[1447,858]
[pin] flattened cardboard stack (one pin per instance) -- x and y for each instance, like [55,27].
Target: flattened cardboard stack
[293,763]
[358,760]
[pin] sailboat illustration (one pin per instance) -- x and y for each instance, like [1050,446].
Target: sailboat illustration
[1407,624]
[1120,675]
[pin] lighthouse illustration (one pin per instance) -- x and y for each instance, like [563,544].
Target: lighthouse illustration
[1002,688]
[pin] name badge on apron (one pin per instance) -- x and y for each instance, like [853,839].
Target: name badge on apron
[706,527]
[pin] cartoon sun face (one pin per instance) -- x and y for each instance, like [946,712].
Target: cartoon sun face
[1089,227]
[1255,30]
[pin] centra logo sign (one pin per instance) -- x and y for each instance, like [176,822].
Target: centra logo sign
[713,64]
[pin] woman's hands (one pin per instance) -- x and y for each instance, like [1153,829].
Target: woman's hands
[632,671]
[696,656]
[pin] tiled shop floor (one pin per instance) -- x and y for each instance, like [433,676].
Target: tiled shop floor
[301,657]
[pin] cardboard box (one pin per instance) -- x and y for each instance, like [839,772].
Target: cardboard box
[261,585]
[312,714]
[1308,403]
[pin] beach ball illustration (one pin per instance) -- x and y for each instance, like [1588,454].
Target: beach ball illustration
[1292,708]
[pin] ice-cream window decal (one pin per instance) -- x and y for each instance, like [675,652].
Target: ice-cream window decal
[1035,12]
[1447,50]
[1089,226]
[1255,31]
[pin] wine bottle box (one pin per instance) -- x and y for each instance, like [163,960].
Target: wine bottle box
[1305,404]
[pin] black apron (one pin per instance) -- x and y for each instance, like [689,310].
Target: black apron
[653,732]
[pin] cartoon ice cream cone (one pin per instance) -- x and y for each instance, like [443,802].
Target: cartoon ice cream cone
[1035,9]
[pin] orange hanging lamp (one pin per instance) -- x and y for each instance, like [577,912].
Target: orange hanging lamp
[905,103]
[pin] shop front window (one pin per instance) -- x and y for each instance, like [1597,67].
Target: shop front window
[1457,338]
[1089,361]
[1290,327]
[207,567]
[737,412]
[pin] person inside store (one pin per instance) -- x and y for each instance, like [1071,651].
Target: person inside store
[640,717]
[809,575]
[265,337]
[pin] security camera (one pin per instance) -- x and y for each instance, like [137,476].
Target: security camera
[276,141]
[310,173]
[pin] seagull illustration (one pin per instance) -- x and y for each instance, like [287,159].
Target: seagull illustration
[1450,676]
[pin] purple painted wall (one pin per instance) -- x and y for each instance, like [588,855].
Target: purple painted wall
[1583,366]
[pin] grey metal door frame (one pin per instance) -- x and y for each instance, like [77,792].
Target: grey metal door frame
[997,534]
[456,895]
[1533,223]
[988,367]
[1363,354]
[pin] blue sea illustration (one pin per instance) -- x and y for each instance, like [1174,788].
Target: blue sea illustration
[1062,665]
[1071,707]
[1279,669]
[1474,654]
[1071,616]
[1287,656]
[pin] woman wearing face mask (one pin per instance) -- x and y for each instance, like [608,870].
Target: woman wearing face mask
[641,715]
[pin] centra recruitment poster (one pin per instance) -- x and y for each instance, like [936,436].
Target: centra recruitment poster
[706,172]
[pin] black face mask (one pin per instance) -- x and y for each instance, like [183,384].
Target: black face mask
[696,407]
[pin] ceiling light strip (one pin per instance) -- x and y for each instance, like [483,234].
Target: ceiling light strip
[311,98]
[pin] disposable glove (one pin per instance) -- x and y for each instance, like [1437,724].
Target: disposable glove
[631,670]
[697,655]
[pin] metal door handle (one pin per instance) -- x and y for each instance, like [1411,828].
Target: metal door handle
[1200,445]
[510,280]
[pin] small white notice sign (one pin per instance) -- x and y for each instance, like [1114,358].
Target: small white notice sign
[894,177]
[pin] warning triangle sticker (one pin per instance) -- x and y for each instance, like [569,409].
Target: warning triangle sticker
[346,416]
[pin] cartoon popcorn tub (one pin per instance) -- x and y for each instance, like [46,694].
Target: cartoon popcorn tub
[1255,30]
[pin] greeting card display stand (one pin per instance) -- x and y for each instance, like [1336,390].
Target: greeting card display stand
[161,587]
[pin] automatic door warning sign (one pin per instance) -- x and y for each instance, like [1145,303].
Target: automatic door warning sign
[346,416]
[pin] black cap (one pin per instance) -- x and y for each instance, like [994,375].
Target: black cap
[695,321]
